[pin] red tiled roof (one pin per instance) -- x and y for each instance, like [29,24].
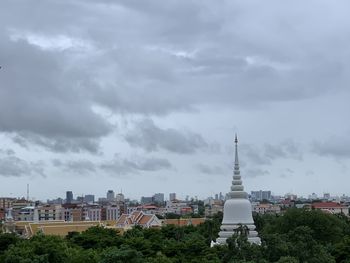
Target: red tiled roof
[145,219]
[327,205]
[149,207]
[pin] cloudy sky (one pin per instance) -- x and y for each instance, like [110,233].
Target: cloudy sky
[146,96]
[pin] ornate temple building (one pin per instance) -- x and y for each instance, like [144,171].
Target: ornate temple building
[238,216]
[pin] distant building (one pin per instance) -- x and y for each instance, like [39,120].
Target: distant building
[146,200]
[177,207]
[48,213]
[69,197]
[184,221]
[26,214]
[260,195]
[110,196]
[138,218]
[209,201]
[213,209]
[57,201]
[291,196]
[120,198]
[313,196]
[158,198]
[92,213]
[2,214]
[331,207]
[72,212]
[267,209]
[112,212]
[326,196]
[6,202]
[172,196]
[89,198]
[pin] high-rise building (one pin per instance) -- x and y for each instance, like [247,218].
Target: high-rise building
[158,198]
[110,195]
[172,196]
[146,200]
[120,197]
[69,197]
[237,210]
[260,195]
[89,198]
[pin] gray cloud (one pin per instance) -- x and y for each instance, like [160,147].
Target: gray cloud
[13,166]
[286,149]
[7,152]
[211,170]
[149,164]
[152,138]
[58,144]
[337,147]
[120,166]
[86,64]
[76,166]
[252,173]
[117,166]
[287,173]
[266,154]
[157,64]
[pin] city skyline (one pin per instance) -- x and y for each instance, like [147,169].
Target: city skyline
[147,96]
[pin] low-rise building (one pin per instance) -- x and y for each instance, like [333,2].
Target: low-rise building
[213,209]
[267,209]
[177,207]
[138,218]
[48,213]
[331,207]
[26,214]
[112,212]
[184,221]
[92,213]
[2,214]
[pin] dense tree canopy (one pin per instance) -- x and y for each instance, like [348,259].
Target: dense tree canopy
[297,236]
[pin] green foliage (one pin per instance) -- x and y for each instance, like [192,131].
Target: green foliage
[122,255]
[296,237]
[40,248]
[6,240]
[95,237]
[326,228]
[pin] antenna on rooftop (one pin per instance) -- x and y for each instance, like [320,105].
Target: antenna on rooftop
[27,192]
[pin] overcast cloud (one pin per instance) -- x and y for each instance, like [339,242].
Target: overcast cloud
[83,80]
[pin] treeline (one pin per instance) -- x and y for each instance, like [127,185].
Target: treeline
[297,236]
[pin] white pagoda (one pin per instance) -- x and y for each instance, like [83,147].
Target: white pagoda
[237,210]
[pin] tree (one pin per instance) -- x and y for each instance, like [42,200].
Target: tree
[6,240]
[122,255]
[95,237]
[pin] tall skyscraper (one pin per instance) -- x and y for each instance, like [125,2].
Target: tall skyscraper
[260,195]
[69,197]
[172,196]
[110,195]
[158,198]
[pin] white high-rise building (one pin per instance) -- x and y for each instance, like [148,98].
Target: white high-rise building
[238,216]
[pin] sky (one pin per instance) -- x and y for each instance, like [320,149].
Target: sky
[146,96]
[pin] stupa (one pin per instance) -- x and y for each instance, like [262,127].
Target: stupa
[237,210]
